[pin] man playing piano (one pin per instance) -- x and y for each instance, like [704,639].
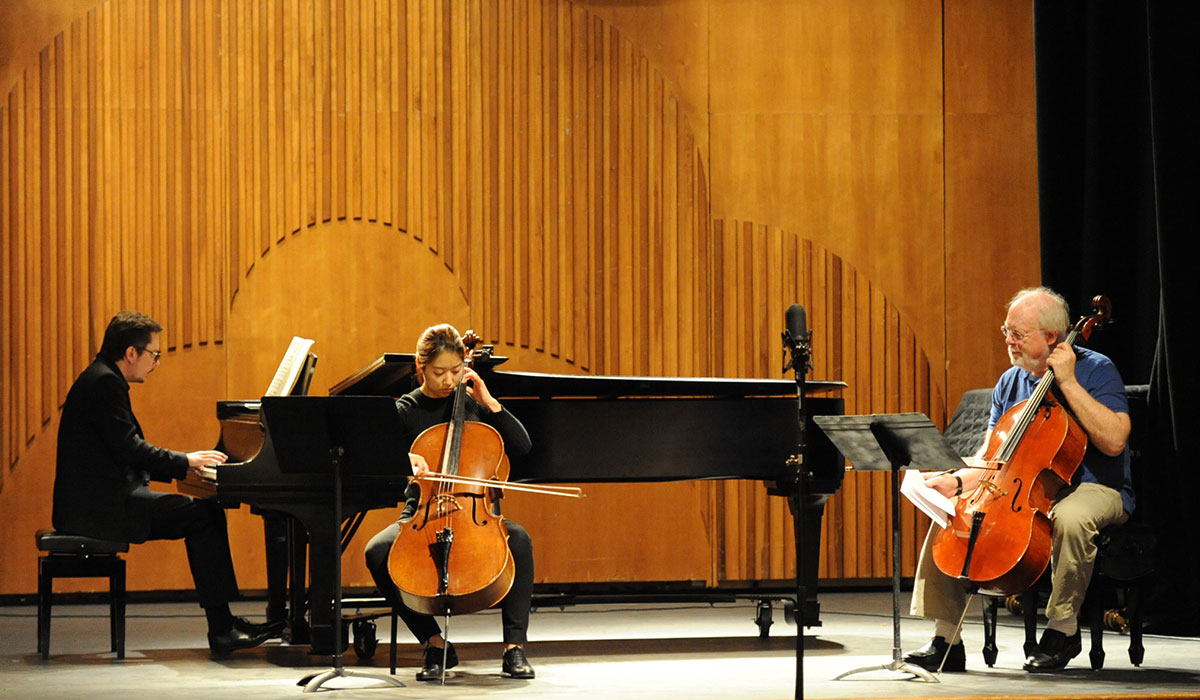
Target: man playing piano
[440,360]
[104,468]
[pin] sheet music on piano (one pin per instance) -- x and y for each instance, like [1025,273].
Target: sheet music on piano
[202,483]
[289,368]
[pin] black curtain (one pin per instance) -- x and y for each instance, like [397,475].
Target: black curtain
[1118,152]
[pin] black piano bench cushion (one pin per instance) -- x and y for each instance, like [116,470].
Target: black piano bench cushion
[59,543]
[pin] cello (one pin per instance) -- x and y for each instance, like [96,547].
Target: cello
[452,557]
[998,542]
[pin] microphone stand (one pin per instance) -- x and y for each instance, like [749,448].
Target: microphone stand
[797,352]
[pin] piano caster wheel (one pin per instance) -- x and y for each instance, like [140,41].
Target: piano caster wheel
[365,641]
[789,611]
[762,618]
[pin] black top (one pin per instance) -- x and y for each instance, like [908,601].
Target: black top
[419,412]
[101,487]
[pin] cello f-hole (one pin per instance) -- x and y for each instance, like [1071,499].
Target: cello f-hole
[1016,494]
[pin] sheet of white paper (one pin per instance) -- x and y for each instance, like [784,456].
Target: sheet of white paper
[930,502]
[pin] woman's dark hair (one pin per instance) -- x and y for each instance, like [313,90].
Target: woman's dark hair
[437,339]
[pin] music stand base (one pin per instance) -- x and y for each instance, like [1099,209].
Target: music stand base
[894,666]
[313,682]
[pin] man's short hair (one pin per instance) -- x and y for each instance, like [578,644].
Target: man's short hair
[1055,313]
[125,329]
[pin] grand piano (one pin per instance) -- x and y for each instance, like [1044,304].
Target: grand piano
[718,429]
[612,429]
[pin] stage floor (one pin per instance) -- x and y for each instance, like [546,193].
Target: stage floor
[650,652]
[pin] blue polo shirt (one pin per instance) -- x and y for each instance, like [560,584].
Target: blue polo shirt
[1099,377]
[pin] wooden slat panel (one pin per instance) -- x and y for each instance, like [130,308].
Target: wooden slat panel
[8,290]
[536,211]
[582,334]
[368,128]
[351,55]
[81,204]
[518,29]
[157,50]
[34,274]
[186,326]
[226,120]
[623,303]
[57,327]
[208,289]
[456,209]
[505,254]
[691,332]
[322,210]
[339,98]
[558,170]
[159,151]
[607,274]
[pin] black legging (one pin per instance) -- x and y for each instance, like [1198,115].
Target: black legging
[514,608]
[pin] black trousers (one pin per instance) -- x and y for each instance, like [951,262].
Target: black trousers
[201,525]
[514,608]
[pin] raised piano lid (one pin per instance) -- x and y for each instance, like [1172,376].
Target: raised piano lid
[391,374]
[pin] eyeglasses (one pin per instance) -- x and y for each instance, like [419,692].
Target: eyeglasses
[156,353]
[1015,335]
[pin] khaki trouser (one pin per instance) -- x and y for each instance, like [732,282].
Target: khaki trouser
[1075,519]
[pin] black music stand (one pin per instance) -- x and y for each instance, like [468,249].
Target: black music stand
[341,436]
[894,442]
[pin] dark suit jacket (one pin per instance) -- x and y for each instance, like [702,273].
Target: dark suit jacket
[101,488]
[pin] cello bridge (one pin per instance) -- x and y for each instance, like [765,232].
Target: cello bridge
[445,504]
[992,487]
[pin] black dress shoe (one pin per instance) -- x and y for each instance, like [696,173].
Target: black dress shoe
[929,657]
[516,665]
[234,639]
[432,671]
[1054,651]
[271,628]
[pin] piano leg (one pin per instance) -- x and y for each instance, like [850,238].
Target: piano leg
[324,546]
[275,534]
[809,609]
[298,631]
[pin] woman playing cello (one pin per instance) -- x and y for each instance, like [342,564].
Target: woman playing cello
[1099,494]
[441,366]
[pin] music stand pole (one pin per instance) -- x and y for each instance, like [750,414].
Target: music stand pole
[313,683]
[894,442]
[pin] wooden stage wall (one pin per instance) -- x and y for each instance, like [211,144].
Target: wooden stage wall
[607,188]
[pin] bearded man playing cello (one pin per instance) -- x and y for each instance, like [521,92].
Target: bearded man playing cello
[1100,494]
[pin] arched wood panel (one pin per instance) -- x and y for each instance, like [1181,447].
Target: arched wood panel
[858,337]
[155,154]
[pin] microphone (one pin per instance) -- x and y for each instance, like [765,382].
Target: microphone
[795,339]
[795,323]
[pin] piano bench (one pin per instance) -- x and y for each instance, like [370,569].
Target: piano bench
[75,556]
